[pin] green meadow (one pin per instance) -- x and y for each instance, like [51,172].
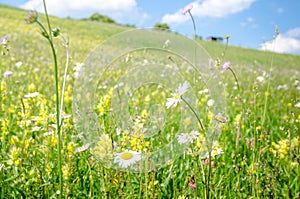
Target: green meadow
[150,128]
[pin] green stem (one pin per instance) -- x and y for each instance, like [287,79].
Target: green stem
[194,25]
[191,108]
[236,80]
[57,101]
[208,175]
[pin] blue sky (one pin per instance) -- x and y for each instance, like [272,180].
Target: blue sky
[249,23]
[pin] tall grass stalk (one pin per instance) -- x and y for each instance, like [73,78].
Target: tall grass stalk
[49,37]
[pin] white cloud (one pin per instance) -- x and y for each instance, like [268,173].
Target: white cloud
[288,42]
[117,9]
[209,8]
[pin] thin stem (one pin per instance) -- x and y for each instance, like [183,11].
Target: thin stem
[64,80]
[191,108]
[225,49]
[208,175]
[236,80]
[57,101]
[194,25]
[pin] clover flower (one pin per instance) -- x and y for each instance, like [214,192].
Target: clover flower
[176,97]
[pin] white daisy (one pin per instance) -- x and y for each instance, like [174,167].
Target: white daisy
[297,105]
[127,158]
[261,79]
[210,102]
[176,97]
[31,95]
[187,137]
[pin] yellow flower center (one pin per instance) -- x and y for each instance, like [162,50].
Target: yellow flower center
[126,156]
[176,97]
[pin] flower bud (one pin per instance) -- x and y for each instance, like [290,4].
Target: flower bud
[32,17]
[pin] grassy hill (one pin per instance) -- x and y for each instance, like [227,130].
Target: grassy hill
[86,35]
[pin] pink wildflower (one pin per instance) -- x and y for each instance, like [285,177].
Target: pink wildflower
[187,9]
[192,185]
[226,65]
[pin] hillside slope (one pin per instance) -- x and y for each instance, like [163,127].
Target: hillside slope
[86,35]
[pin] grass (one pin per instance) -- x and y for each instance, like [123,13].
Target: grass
[260,141]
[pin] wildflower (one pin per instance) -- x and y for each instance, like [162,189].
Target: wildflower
[18,64]
[281,149]
[258,127]
[66,172]
[192,185]
[32,17]
[226,65]
[127,158]
[261,79]
[176,97]
[36,129]
[4,40]
[187,137]
[118,131]
[227,36]
[297,105]
[284,87]
[7,74]
[210,102]
[216,150]
[203,91]
[187,9]
[237,119]
[200,141]
[4,44]
[31,95]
